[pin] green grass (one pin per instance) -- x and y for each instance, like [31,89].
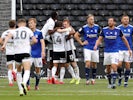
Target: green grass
[67,91]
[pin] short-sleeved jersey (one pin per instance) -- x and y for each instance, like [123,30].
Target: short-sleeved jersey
[127,32]
[59,41]
[36,49]
[70,44]
[10,43]
[111,39]
[22,40]
[90,34]
[49,25]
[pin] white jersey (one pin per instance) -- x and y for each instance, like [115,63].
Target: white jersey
[22,40]
[70,44]
[59,41]
[10,44]
[49,25]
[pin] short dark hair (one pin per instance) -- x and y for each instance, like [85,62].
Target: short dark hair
[54,15]
[58,24]
[112,18]
[12,23]
[125,15]
[21,20]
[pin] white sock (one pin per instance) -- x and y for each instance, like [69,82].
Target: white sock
[49,73]
[71,71]
[76,70]
[19,80]
[54,69]
[62,73]
[26,76]
[10,77]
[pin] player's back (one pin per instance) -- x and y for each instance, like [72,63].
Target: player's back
[22,40]
[10,43]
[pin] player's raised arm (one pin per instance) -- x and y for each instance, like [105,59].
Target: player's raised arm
[9,36]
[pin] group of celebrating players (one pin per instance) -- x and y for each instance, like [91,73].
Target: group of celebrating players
[25,46]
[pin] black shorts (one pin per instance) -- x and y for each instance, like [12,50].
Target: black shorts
[10,57]
[71,56]
[50,55]
[20,57]
[59,57]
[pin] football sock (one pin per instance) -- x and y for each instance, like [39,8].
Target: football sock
[10,77]
[113,77]
[94,73]
[76,70]
[54,69]
[127,73]
[49,74]
[71,71]
[37,76]
[87,72]
[109,78]
[26,76]
[19,80]
[62,73]
[119,70]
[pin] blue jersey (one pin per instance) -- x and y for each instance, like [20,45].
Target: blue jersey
[111,39]
[36,49]
[127,32]
[90,34]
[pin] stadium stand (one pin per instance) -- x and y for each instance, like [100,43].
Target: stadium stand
[5,16]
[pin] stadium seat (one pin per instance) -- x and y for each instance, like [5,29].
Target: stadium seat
[105,1]
[130,1]
[83,7]
[117,12]
[55,6]
[81,18]
[111,7]
[28,6]
[104,12]
[77,12]
[42,7]
[75,1]
[47,12]
[119,1]
[69,7]
[98,7]
[90,1]
[130,12]
[34,12]
[124,7]
[63,12]
[63,1]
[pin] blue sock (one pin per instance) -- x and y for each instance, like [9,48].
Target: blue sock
[127,73]
[109,78]
[119,70]
[37,79]
[113,77]
[28,82]
[87,72]
[94,73]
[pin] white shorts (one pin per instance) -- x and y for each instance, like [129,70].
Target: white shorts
[111,58]
[124,56]
[91,55]
[37,62]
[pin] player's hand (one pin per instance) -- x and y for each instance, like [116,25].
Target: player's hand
[43,55]
[84,43]
[95,47]
[130,53]
[2,48]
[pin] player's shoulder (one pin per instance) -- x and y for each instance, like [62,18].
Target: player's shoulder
[96,25]
[84,26]
[119,26]
[130,25]
[104,28]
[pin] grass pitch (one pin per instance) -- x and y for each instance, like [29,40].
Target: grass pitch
[67,91]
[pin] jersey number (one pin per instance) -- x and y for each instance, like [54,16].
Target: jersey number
[57,40]
[22,35]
